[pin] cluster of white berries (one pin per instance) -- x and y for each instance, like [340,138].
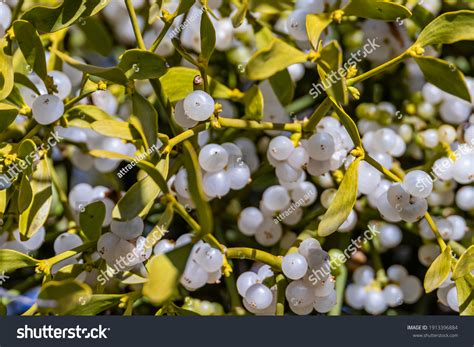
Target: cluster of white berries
[278,204]
[407,200]
[312,286]
[124,244]
[204,263]
[366,293]
[223,169]
[452,109]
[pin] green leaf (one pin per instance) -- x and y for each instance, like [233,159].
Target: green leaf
[11,260]
[25,81]
[59,297]
[139,64]
[273,58]
[164,272]
[138,199]
[95,304]
[373,9]
[91,220]
[115,128]
[161,228]
[31,47]
[69,272]
[148,118]
[184,6]
[438,271]
[445,76]
[8,114]
[6,71]
[343,202]
[36,214]
[283,86]
[239,16]
[253,101]
[177,83]
[49,19]
[465,290]
[450,27]
[315,25]
[26,194]
[465,264]
[208,38]
[112,74]
[98,37]
[196,190]
[421,16]
[329,68]
[89,113]
[271,7]
[348,123]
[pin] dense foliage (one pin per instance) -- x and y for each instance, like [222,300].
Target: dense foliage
[236,157]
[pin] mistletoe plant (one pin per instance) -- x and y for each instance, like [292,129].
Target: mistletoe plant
[165,157]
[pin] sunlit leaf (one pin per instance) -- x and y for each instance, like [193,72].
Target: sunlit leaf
[273,58]
[164,273]
[465,291]
[115,128]
[448,28]
[253,101]
[315,25]
[239,16]
[438,271]
[11,260]
[62,296]
[465,264]
[95,304]
[6,71]
[331,72]
[374,9]
[342,203]
[208,38]
[142,65]
[8,114]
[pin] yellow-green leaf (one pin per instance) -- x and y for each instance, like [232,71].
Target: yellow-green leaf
[8,114]
[445,76]
[343,202]
[348,123]
[283,86]
[59,297]
[373,9]
[26,194]
[91,220]
[6,71]
[164,272]
[253,101]
[278,55]
[89,113]
[31,46]
[315,25]
[115,128]
[448,28]
[438,271]
[196,190]
[66,13]
[95,304]
[465,264]
[465,290]
[36,214]
[239,16]
[177,83]
[11,260]
[331,72]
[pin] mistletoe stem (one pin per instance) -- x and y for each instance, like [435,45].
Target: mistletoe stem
[160,37]
[341,280]
[281,287]
[255,254]
[136,27]
[318,114]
